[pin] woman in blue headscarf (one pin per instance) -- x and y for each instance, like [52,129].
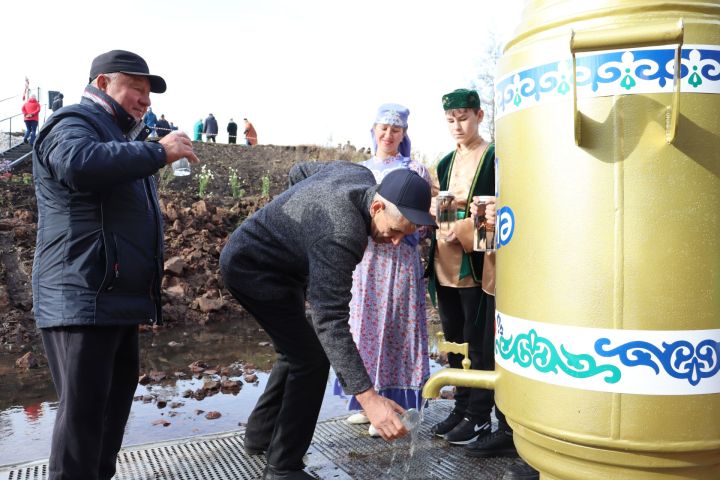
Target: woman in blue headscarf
[387,311]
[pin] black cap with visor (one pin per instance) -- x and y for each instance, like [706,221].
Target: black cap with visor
[122,61]
[410,193]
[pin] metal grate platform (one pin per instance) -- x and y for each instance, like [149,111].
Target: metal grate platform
[339,451]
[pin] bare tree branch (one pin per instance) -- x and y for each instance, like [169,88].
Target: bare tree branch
[484,81]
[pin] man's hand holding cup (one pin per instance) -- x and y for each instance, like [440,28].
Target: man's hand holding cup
[179,152]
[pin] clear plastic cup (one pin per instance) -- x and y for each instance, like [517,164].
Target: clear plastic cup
[410,419]
[181,167]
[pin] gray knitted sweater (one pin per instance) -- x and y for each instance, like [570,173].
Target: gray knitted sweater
[310,237]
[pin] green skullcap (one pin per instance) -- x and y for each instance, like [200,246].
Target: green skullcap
[461,98]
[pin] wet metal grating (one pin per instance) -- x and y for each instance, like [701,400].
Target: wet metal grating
[339,451]
[360,456]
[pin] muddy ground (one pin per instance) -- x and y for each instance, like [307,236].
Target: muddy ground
[196,229]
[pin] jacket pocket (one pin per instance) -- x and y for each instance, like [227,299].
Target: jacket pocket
[111,262]
[133,266]
[76,260]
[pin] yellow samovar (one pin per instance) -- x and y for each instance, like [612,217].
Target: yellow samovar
[608,271]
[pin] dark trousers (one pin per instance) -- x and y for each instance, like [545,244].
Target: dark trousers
[490,319]
[463,314]
[283,421]
[95,371]
[30,130]
[231,139]
[210,137]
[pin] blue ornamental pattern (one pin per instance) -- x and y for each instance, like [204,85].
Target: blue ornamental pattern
[532,351]
[611,73]
[680,359]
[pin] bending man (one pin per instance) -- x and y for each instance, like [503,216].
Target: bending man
[307,242]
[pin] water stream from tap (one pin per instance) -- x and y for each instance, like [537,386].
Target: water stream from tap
[404,451]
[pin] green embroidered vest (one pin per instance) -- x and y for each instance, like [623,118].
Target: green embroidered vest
[482,184]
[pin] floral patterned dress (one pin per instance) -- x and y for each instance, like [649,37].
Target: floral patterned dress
[387,311]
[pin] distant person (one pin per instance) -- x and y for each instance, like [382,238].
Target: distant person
[349,147]
[249,132]
[162,126]
[388,320]
[232,129]
[57,102]
[210,128]
[173,127]
[99,257]
[150,120]
[302,245]
[31,115]
[198,131]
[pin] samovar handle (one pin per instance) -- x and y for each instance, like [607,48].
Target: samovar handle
[617,38]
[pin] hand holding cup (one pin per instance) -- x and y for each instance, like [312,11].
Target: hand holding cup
[179,152]
[486,209]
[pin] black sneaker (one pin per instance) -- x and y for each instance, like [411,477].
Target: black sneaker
[498,444]
[520,470]
[467,430]
[441,428]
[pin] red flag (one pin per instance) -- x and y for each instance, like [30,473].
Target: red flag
[26,92]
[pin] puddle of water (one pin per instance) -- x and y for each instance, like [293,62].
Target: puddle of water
[28,402]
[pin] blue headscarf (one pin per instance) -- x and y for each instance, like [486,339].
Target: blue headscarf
[397,115]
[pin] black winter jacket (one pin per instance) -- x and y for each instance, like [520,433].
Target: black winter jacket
[99,253]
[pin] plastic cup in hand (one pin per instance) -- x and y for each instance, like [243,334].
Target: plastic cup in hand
[410,419]
[181,167]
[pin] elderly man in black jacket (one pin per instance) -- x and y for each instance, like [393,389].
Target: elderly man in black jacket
[305,244]
[99,256]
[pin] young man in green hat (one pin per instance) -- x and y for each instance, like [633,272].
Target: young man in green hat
[455,274]
[465,292]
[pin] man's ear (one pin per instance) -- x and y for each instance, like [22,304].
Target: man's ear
[102,82]
[376,206]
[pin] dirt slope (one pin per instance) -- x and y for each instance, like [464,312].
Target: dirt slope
[195,231]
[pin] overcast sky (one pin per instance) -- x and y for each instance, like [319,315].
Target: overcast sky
[304,72]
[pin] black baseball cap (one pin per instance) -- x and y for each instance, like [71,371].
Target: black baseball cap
[410,193]
[122,61]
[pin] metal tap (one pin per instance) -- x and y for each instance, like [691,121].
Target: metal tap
[455,376]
